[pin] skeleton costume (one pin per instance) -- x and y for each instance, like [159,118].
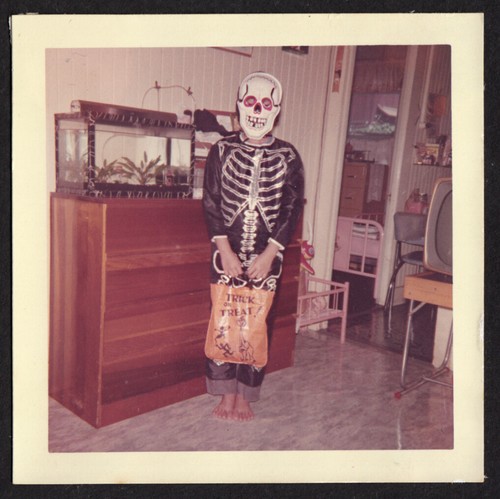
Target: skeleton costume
[253,195]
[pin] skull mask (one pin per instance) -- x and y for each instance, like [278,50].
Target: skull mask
[259,98]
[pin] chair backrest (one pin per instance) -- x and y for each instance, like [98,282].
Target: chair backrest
[409,227]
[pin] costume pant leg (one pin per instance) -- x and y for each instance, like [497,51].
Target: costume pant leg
[230,378]
[220,379]
[249,381]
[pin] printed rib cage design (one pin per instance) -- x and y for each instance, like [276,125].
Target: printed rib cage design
[252,182]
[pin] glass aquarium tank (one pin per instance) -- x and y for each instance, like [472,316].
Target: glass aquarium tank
[117,151]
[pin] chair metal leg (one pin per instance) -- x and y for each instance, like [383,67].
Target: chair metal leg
[392,284]
[398,263]
[389,299]
[412,310]
[443,366]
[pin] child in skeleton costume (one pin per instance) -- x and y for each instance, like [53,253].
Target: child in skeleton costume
[253,195]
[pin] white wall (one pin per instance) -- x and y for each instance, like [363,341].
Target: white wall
[405,175]
[438,66]
[122,76]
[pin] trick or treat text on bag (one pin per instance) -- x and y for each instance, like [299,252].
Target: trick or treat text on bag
[238,325]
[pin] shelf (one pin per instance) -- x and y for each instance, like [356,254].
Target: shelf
[370,136]
[435,166]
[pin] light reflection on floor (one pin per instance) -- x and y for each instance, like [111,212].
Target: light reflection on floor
[372,328]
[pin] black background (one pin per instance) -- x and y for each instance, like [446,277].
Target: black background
[490,487]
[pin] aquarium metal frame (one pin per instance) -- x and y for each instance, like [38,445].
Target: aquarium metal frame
[95,113]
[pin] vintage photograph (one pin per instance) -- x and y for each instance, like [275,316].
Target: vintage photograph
[136,199]
[250,250]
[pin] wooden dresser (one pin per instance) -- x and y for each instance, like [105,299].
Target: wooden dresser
[363,188]
[130,305]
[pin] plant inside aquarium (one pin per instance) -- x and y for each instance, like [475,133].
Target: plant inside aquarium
[143,173]
[105,172]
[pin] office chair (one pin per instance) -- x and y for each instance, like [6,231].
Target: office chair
[409,228]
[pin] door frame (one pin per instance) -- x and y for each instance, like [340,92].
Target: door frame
[397,191]
[329,178]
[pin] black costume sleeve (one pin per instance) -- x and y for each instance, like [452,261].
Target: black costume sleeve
[292,201]
[212,193]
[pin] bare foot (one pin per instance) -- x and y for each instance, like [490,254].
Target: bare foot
[224,409]
[242,410]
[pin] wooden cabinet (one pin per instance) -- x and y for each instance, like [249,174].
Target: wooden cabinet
[363,189]
[130,305]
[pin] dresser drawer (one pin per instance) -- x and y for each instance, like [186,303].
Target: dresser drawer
[348,212]
[352,199]
[354,176]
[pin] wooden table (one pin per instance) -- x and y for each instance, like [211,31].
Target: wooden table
[421,289]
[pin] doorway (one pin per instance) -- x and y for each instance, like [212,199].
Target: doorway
[378,77]
[373,115]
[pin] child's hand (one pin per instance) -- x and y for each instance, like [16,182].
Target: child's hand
[230,262]
[261,265]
